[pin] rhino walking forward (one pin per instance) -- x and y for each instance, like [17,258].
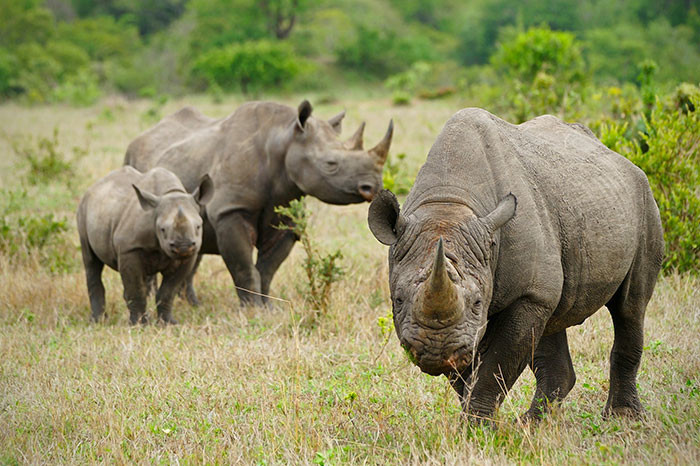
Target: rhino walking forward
[140,224]
[262,156]
[510,235]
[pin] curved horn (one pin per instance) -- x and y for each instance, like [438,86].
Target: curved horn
[381,150]
[440,299]
[355,141]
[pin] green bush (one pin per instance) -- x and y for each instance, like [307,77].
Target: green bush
[250,66]
[380,52]
[23,234]
[45,161]
[544,72]
[669,154]
[321,270]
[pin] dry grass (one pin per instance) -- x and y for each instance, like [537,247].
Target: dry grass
[258,386]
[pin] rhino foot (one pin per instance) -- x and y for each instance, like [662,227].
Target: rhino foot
[630,412]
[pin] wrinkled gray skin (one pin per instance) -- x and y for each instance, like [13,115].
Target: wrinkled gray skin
[262,156]
[485,282]
[140,224]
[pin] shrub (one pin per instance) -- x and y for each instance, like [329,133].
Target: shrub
[668,150]
[545,72]
[26,234]
[321,270]
[250,66]
[395,177]
[45,161]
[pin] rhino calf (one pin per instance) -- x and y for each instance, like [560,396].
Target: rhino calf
[140,224]
[510,235]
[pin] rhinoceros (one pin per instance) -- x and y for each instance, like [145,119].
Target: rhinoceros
[140,224]
[262,156]
[510,235]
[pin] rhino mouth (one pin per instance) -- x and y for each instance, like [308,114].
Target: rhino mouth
[440,361]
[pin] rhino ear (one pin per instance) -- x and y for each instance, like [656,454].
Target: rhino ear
[504,211]
[147,200]
[204,192]
[337,122]
[304,112]
[383,217]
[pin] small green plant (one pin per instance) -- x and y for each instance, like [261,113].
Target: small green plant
[23,234]
[394,176]
[45,161]
[154,113]
[321,270]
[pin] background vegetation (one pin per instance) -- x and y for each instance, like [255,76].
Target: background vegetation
[321,378]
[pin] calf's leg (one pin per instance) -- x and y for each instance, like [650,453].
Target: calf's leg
[134,281]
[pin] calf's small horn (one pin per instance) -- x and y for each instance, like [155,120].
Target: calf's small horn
[440,299]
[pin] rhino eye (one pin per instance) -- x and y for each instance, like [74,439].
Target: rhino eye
[331,164]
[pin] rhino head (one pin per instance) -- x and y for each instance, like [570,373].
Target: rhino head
[440,276]
[176,214]
[335,171]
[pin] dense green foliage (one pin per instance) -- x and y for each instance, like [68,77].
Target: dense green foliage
[70,50]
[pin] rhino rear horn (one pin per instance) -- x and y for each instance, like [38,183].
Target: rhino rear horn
[304,112]
[440,299]
[337,122]
[355,142]
[381,150]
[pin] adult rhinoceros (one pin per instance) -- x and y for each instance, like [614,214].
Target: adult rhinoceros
[481,289]
[261,156]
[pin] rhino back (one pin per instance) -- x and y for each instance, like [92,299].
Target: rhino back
[144,151]
[581,207]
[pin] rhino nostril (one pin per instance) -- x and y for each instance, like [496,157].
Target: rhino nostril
[366,188]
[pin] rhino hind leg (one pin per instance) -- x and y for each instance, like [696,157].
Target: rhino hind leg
[554,373]
[93,275]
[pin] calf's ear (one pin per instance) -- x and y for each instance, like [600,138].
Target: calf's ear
[383,217]
[147,200]
[204,192]
[504,211]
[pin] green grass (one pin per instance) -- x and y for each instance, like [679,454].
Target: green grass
[257,386]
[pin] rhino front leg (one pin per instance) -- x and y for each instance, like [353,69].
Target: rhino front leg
[233,236]
[93,275]
[273,251]
[508,345]
[190,293]
[172,282]
[554,373]
[134,281]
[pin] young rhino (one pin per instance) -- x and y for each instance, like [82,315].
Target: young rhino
[140,224]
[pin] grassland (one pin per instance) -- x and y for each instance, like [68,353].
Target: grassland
[231,385]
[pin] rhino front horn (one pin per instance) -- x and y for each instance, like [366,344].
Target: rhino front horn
[355,142]
[440,300]
[381,150]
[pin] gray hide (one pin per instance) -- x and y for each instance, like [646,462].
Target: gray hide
[140,224]
[485,282]
[262,156]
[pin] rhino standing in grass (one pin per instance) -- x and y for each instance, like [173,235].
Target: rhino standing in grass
[510,235]
[262,156]
[140,224]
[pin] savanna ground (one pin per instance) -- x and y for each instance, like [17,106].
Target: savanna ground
[263,386]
